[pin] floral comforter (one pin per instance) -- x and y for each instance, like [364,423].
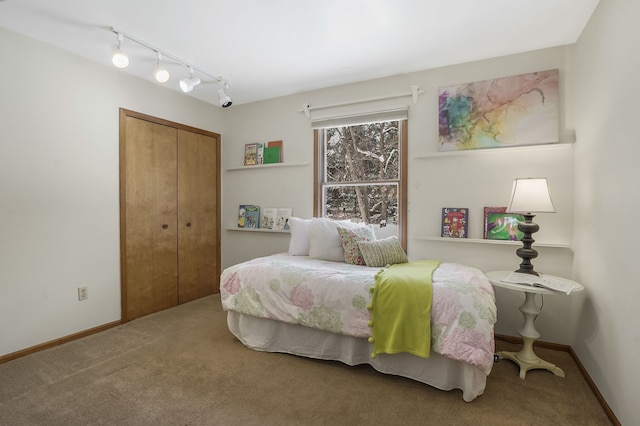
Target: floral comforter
[333,296]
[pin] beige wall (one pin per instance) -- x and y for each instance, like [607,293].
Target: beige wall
[606,200]
[59,205]
[59,219]
[474,181]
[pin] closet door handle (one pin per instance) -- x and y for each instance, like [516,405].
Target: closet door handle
[188,224]
[165,226]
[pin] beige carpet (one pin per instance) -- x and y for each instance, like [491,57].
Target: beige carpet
[183,367]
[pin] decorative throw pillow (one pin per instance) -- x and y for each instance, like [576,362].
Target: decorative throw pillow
[324,240]
[350,239]
[380,253]
[299,242]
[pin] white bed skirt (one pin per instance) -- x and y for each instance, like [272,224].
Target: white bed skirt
[275,336]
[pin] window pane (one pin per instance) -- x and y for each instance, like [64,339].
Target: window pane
[378,203]
[367,152]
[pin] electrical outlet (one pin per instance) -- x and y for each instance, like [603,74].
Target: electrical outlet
[83,293]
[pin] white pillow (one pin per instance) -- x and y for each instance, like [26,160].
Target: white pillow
[324,240]
[299,242]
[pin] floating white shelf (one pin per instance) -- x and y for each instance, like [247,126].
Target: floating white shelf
[483,241]
[494,150]
[267,166]
[272,231]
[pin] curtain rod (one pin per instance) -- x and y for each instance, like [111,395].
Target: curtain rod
[415,91]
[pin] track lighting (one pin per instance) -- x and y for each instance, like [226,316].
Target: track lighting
[118,57]
[225,100]
[159,72]
[187,84]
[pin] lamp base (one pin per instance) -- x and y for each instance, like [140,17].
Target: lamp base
[526,252]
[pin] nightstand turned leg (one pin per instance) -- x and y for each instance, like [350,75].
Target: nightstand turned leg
[527,359]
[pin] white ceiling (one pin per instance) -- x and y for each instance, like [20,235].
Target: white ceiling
[272,48]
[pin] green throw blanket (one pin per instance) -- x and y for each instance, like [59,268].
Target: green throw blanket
[401,309]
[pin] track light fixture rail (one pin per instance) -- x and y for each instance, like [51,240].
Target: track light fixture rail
[186,84]
[165,54]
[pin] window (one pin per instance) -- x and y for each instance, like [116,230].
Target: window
[361,172]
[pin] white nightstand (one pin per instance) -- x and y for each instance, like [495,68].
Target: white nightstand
[527,358]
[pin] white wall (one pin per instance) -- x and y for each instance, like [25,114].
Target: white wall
[276,119]
[59,205]
[606,202]
[59,224]
[474,181]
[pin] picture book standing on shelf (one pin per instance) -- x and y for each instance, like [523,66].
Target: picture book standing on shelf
[269,216]
[276,146]
[454,222]
[271,155]
[284,216]
[248,216]
[252,216]
[251,154]
[260,156]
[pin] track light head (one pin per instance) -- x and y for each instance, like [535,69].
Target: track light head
[118,57]
[225,100]
[187,84]
[160,73]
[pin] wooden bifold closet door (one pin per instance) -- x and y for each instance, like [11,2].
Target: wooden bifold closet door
[170,220]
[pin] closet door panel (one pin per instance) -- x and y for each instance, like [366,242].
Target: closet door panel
[151,218]
[197,215]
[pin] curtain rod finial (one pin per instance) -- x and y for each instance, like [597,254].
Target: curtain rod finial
[415,91]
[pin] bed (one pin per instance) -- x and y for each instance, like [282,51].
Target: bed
[318,308]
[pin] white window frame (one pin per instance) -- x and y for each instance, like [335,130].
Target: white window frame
[320,164]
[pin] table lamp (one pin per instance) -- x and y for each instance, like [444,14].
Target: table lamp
[529,195]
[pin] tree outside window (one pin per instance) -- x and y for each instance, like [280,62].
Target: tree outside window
[360,173]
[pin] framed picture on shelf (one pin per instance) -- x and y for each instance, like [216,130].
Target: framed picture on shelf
[251,154]
[500,225]
[455,222]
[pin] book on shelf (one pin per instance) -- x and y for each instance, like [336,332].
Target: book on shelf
[455,222]
[272,155]
[269,216]
[251,154]
[260,155]
[248,216]
[283,218]
[500,225]
[276,144]
[550,283]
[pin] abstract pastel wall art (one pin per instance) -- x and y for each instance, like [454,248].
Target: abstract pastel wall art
[511,111]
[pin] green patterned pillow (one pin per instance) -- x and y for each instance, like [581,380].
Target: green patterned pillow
[350,238]
[380,253]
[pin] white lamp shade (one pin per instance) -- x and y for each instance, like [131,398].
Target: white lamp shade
[187,84]
[530,195]
[225,100]
[119,58]
[161,74]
